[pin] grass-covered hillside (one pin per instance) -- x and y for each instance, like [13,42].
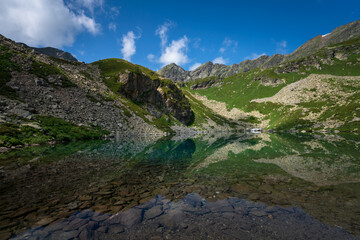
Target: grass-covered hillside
[326,97]
[111,71]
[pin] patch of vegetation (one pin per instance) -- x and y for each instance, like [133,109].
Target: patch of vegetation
[108,97]
[44,70]
[61,130]
[64,61]
[202,80]
[251,119]
[141,112]
[238,90]
[125,111]
[49,129]
[6,67]
[87,75]
[111,67]
[92,98]
[203,113]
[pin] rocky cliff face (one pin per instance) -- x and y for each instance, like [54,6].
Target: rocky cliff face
[338,35]
[158,96]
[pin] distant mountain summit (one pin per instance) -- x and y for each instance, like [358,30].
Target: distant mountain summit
[53,52]
[57,53]
[208,69]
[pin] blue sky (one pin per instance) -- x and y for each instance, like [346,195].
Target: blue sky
[189,33]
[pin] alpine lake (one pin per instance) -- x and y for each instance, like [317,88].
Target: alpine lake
[246,186]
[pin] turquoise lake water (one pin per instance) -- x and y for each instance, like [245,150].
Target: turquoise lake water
[261,186]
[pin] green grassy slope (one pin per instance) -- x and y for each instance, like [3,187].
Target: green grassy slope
[110,69]
[337,60]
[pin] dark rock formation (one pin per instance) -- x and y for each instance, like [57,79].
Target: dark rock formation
[159,96]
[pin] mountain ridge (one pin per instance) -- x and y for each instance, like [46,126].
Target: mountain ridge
[208,69]
[52,52]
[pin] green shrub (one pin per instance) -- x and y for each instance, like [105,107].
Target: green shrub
[6,67]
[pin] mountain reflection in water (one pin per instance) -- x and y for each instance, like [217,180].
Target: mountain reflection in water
[63,187]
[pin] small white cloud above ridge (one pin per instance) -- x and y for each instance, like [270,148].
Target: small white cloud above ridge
[194,66]
[128,45]
[219,60]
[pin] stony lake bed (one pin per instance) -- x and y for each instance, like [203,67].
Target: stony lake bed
[262,186]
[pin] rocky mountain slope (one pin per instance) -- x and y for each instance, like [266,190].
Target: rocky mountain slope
[340,34]
[44,98]
[316,92]
[113,95]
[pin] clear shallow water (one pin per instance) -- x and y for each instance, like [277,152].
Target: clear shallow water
[222,187]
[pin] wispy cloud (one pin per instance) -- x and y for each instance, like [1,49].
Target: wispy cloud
[112,27]
[281,47]
[228,44]
[255,56]
[81,52]
[43,22]
[151,57]
[87,4]
[194,66]
[128,45]
[220,60]
[162,32]
[196,42]
[114,12]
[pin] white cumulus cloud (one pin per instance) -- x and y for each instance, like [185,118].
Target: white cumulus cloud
[194,66]
[128,45]
[43,22]
[219,60]
[175,52]
[162,32]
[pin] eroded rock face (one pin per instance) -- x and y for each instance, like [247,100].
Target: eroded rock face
[139,88]
[159,96]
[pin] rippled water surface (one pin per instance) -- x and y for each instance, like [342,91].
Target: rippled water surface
[265,186]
